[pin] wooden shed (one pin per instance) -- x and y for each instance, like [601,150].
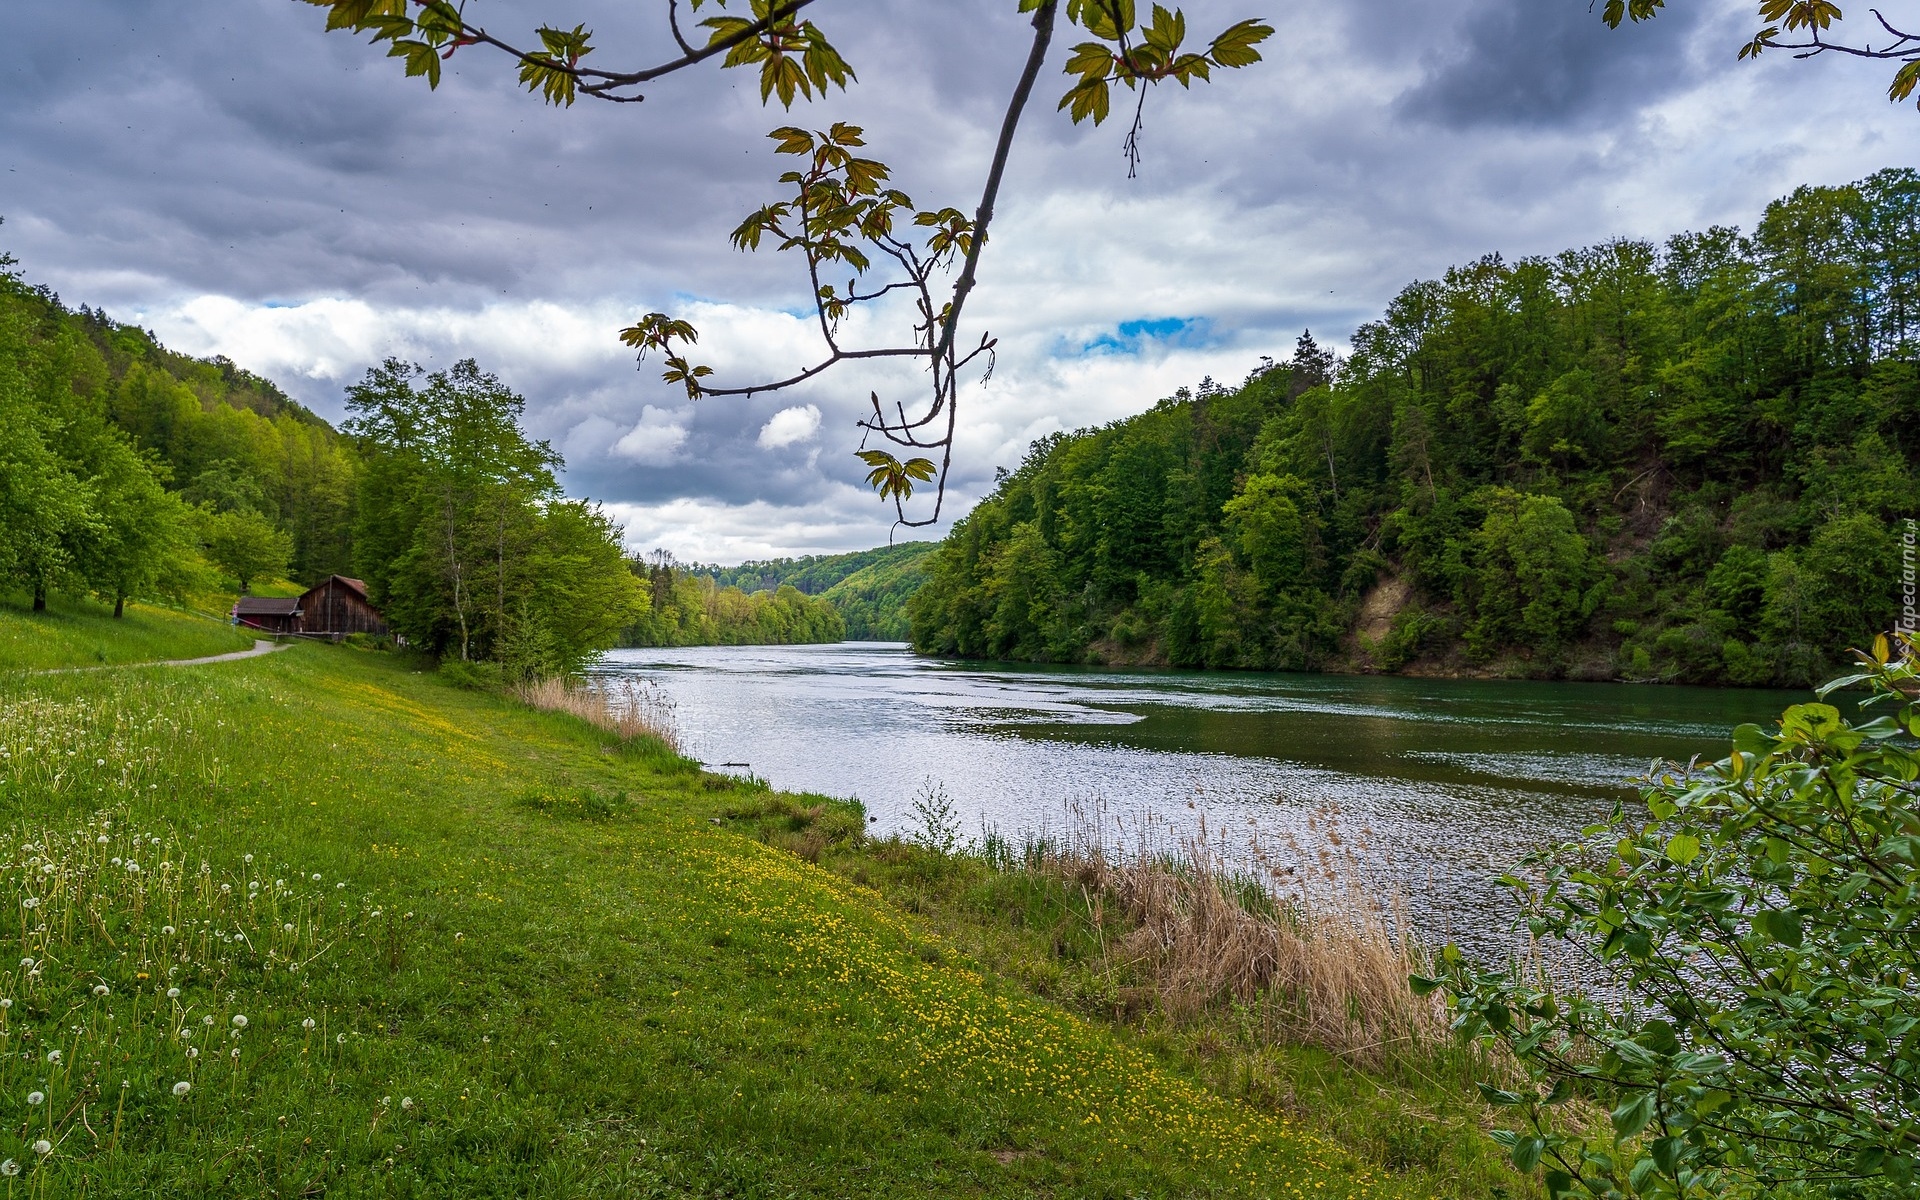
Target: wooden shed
[339,606]
[269,614]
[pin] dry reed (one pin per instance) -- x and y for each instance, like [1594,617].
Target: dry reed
[1324,965]
[628,708]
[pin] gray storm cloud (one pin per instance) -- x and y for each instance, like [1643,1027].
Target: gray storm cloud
[228,174]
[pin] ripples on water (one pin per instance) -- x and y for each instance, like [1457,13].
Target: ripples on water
[1441,784]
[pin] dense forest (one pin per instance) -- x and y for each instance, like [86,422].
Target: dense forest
[128,471]
[1681,462]
[869,588]
[689,607]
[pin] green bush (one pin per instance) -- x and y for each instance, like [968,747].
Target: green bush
[1759,927]
[474,676]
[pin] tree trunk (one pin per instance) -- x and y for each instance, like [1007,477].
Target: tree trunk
[39,596]
[119,606]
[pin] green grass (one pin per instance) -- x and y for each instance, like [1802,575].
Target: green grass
[538,962]
[82,633]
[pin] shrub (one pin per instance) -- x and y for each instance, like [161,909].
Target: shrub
[476,676]
[1758,930]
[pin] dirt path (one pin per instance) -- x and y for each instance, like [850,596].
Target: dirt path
[260,646]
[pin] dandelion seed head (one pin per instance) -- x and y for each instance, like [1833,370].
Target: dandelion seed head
[100,989]
[9,1168]
[42,1147]
[53,1056]
[173,993]
[35,1098]
[182,1088]
[193,1052]
[406,1102]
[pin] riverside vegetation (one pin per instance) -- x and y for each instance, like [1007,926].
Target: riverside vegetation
[545,953]
[1680,462]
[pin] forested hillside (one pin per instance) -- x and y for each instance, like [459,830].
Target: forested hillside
[688,607]
[129,471]
[869,588]
[1685,461]
[873,600]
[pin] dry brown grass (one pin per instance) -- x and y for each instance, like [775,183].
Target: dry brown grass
[1325,965]
[628,708]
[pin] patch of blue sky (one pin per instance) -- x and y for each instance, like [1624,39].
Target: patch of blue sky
[1144,333]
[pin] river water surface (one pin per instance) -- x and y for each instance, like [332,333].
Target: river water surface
[1434,786]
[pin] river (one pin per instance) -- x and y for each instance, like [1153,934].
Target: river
[1432,787]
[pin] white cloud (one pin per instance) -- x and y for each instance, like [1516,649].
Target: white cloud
[655,440]
[790,425]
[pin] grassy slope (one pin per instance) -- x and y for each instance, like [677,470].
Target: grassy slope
[635,1005]
[83,633]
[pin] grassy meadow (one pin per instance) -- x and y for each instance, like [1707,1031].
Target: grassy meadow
[319,923]
[75,632]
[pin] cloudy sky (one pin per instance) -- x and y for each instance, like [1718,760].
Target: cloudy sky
[227,174]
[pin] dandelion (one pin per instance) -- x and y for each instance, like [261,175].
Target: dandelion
[133,868]
[116,862]
[316,879]
[339,886]
[42,1147]
[307,1024]
[406,1103]
[239,1021]
[166,931]
[102,839]
[236,1052]
[36,1098]
[208,1019]
[182,1088]
[9,1168]
[193,1052]
[100,989]
[341,1039]
[246,858]
[225,888]
[99,762]
[53,1056]
[173,993]
[287,928]
[5,1004]
[30,902]
[376,912]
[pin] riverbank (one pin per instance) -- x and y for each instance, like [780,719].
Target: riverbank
[533,963]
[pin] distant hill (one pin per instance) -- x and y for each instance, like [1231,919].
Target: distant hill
[870,588]
[873,600]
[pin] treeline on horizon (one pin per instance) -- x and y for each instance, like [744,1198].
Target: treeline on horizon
[1679,462]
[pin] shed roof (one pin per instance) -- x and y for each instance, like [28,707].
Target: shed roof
[266,606]
[348,580]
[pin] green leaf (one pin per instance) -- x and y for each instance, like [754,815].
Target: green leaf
[1235,46]
[1527,1152]
[1667,1152]
[1630,1118]
[1683,848]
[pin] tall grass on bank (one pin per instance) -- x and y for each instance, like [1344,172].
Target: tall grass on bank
[628,708]
[1309,954]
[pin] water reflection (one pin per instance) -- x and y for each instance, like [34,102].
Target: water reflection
[1442,783]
